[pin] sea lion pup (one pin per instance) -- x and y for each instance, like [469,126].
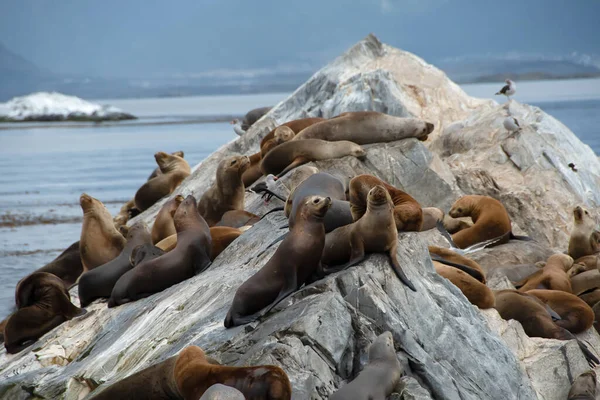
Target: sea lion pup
[431,215]
[583,387]
[238,219]
[490,220]
[289,155]
[194,374]
[67,265]
[190,256]
[366,127]
[222,392]
[408,214]
[374,232]
[453,225]
[157,170]
[100,241]
[452,259]
[576,316]
[227,192]
[43,304]
[163,224]
[293,263]
[379,377]
[100,281]
[586,263]
[476,292]
[296,126]
[553,276]
[174,170]
[584,238]
[221,236]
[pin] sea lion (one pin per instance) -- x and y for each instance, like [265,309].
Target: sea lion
[190,256]
[254,115]
[374,232]
[222,236]
[584,237]
[583,387]
[296,126]
[453,225]
[67,265]
[553,276]
[100,281]
[431,216]
[253,172]
[379,377]
[490,219]
[585,263]
[157,170]
[100,241]
[43,304]
[294,261]
[585,282]
[238,219]
[222,392]
[408,214]
[591,297]
[194,374]
[163,224]
[366,127]
[453,259]
[576,316]
[281,134]
[174,170]
[476,292]
[294,153]
[227,192]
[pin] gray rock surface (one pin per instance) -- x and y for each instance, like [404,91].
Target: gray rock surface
[319,336]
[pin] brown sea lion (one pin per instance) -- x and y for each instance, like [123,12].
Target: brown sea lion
[553,276]
[253,172]
[296,125]
[222,392]
[222,236]
[67,265]
[190,256]
[227,192]
[124,214]
[374,232]
[294,153]
[365,127]
[490,219]
[194,375]
[591,297]
[238,218]
[476,292]
[408,214]
[431,216]
[174,170]
[583,387]
[100,281]
[453,259]
[585,282]
[157,170]
[454,225]
[100,241]
[576,316]
[379,377]
[163,224]
[293,263]
[584,237]
[585,263]
[281,134]
[43,303]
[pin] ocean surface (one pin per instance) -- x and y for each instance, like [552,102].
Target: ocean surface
[45,168]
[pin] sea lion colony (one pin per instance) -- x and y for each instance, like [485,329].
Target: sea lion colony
[333,225]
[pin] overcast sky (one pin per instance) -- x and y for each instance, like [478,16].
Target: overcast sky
[134,38]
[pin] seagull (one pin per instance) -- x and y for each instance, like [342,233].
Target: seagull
[237,127]
[511,124]
[573,167]
[509,89]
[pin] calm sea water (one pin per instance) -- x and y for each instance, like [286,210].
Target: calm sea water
[43,171]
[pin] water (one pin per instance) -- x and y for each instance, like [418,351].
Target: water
[43,171]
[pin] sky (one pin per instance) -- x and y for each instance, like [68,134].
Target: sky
[141,38]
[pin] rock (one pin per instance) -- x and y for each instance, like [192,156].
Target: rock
[222,392]
[514,252]
[410,389]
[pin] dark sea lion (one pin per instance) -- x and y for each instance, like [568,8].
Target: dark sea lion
[366,127]
[584,237]
[145,252]
[194,374]
[379,377]
[490,220]
[100,281]
[67,265]
[238,218]
[100,241]
[585,282]
[254,115]
[174,170]
[190,256]
[552,276]
[583,387]
[43,304]
[157,170]
[431,216]
[294,153]
[163,224]
[476,292]
[227,192]
[296,126]
[576,316]
[591,297]
[374,232]
[408,214]
[294,262]
[222,392]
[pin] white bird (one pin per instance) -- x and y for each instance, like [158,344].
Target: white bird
[511,124]
[509,89]
[237,127]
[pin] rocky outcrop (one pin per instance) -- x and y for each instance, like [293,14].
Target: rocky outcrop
[449,349]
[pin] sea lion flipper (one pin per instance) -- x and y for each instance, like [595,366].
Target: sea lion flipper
[298,161]
[521,237]
[471,271]
[440,227]
[398,270]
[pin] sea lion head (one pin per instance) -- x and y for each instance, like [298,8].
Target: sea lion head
[378,195]
[460,208]
[232,166]
[283,134]
[382,347]
[167,162]
[174,204]
[139,228]
[581,216]
[178,153]
[186,214]
[357,151]
[88,203]
[315,207]
[563,260]
[576,269]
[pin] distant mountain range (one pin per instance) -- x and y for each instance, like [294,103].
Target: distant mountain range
[19,76]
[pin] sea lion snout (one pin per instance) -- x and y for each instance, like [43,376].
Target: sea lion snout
[578,213]
[429,127]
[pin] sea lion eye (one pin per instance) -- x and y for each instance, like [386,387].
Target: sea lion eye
[233,162]
[316,201]
[587,213]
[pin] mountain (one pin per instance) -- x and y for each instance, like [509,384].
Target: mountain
[19,76]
